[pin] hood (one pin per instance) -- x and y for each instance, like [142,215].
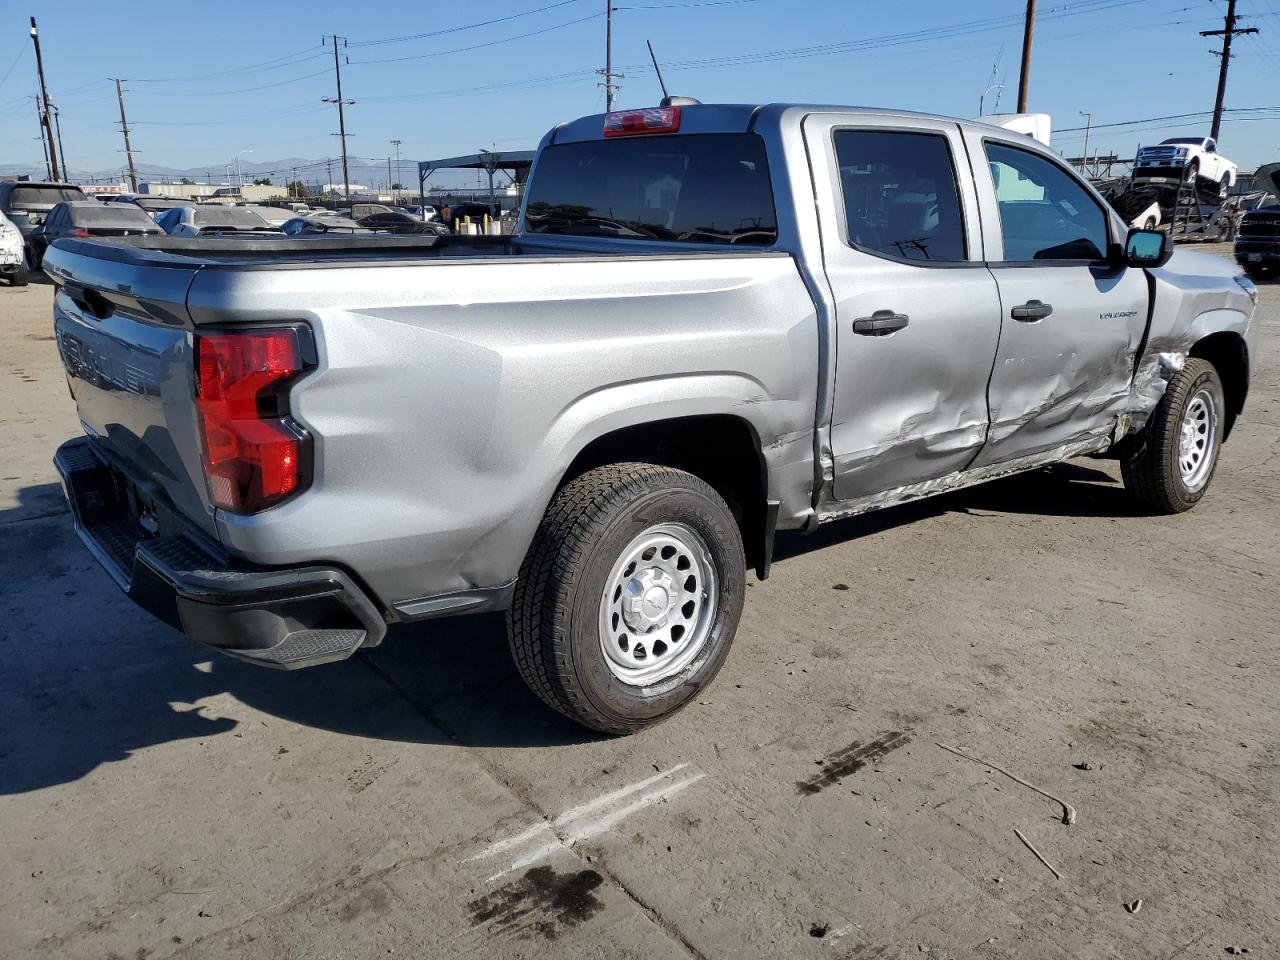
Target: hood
[1268,177]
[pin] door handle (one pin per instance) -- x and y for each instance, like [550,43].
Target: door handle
[880,324]
[1031,311]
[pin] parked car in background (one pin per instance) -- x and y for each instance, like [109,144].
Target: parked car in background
[1139,207]
[13,253]
[154,205]
[88,218]
[1257,247]
[207,219]
[715,321]
[26,204]
[1194,159]
[393,222]
[425,213]
[309,226]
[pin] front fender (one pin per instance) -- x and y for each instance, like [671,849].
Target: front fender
[1195,296]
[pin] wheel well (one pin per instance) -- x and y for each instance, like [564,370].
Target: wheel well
[720,449]
[1230,357]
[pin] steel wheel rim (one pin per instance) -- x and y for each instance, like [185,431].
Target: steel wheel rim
[1197,439]
[658,604]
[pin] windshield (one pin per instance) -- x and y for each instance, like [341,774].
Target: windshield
[229,217]
[1195,141]
[48,196]
[696,188]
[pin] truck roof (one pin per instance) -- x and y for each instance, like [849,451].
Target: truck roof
[741,117]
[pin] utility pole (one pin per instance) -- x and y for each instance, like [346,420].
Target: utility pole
[128,150]
[54,172]
[44,144]
[1088,123]
[57,125]
[342,123]
[1028,34]
[1229,30]
[328,163]
[610,88]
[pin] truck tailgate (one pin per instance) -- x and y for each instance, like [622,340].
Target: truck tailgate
[125,340]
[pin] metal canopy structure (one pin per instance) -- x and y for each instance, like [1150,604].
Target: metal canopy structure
[514,163]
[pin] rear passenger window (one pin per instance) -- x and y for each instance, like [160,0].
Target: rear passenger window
[900,196]
[1045,214]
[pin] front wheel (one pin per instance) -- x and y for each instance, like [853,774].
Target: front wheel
[1170,466]
[1192,171]
[629,597]
[19,276]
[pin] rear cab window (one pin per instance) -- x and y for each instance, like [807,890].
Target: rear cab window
[900,195]
[690,188]
[22,196]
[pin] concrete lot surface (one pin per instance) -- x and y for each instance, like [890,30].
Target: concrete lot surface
[157,800]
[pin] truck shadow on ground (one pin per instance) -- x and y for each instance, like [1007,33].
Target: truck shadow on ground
[89,679]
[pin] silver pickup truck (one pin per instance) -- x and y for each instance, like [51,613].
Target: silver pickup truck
[713,322]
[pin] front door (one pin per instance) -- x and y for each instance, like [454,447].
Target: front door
[1072,322]
[917,313]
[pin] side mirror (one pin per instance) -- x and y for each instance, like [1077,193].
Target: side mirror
[1147,248]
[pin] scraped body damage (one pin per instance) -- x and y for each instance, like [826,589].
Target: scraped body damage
[1195,296]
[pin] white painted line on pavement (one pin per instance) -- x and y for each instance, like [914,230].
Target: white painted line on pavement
[586,820]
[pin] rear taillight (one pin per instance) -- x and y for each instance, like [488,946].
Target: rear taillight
[80,233]
[254,454]
[634,123]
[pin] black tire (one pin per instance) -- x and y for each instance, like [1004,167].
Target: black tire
[1224,186]
[554,621]
[1192,171]
[1150,224]
[19,277]
[1150,469]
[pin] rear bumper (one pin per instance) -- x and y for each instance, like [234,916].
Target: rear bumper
[279,617]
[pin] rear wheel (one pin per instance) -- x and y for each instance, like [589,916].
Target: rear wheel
[1172,463]
[629,597]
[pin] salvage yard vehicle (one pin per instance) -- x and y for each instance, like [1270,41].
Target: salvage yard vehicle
[89,218]
[1257,245]
[213,219]
[1194,159]
[713,323]
[13,261]
[25,203]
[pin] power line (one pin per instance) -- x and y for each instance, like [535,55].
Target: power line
[481,46]
[465,26]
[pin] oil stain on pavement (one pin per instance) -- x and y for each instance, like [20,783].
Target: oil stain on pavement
[541,902]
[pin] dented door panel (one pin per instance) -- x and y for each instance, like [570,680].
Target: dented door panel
[909,405]
[1068,375]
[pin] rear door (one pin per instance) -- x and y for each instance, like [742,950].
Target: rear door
[1071,321]
[917,312]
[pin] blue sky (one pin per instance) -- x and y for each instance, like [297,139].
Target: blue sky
[208,80]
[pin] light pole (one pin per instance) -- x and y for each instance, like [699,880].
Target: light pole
[1088,123]
[240,179]
[982,99]
[396,144]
